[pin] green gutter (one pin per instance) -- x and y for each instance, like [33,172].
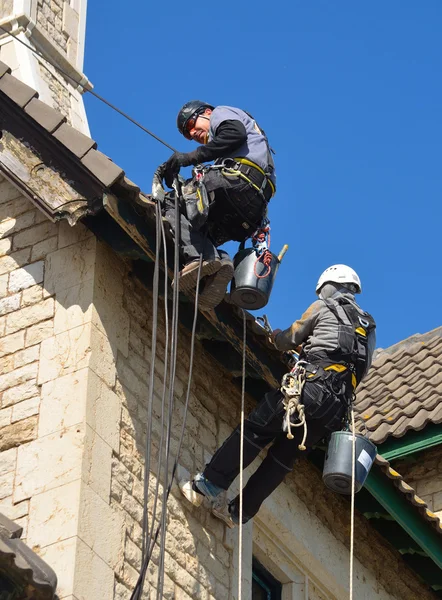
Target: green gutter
[408,517]
[411,443]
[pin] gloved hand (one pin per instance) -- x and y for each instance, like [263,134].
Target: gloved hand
[173,165]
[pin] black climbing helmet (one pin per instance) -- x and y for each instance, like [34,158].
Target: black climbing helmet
[194,107]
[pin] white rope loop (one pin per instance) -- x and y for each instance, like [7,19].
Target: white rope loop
[291,386]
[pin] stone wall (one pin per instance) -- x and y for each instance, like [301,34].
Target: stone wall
[75,330]
[424,473]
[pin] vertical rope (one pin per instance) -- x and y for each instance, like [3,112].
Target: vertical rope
[241,456]
[352,516]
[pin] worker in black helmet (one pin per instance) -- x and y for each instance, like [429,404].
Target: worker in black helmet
[237,189]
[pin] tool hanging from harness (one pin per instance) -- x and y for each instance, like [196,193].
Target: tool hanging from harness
[291,387]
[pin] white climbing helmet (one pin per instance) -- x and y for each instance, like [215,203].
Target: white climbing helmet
[339,274]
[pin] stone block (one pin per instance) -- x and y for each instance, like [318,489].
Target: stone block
[64,353]
[102,359]
[27,356]
[103,411]
[4,285]
[39,332]
[43,248]
[431,485]
[20,392]
[8,460]
[70,21]
[63,402]
[16,206]
[6,364]
[15,260]
[70,266]
[67,235]
[15,224]
[74,306]
[9,304]
[61,556]
[18,376]
[11,343]
[25,409]
[94,578]
[101,527]
[5,246]
[30,315]
[14,511]
[27,276]
[32,295]
[97,464]
[35,234]
[54,515]
[9,192]
[5,417]
[6,485]
[48,462]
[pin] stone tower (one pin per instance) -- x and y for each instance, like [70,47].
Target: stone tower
[56,29]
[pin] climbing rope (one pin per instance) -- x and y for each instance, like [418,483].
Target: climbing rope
[352,510]
[291,386]
[241,454]
[261,243]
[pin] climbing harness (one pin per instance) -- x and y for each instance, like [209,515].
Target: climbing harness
[291,387]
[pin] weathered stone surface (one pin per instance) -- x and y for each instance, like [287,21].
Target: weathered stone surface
[5,246]
[17,434]
[32,295]
[39,332]
[101,527]
[6,485]
[97,464]
[48,462]
[61,556]
[25,409]
[25,317]
[14,511]
[63,402]
[35,234]
[70,266]
[26,277]
[43,248]
[14,261]
[25,357]
[20,392]
[8,458]
[72,235]
[9,304]
[59,507]
[3,285]
[103,411]
[10,226]
[18,376]
[64,353]
[74,306]
[11,343]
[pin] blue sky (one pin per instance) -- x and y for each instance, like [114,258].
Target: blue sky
[350,96]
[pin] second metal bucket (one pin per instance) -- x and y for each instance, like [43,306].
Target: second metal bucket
[248,290]
[337,474]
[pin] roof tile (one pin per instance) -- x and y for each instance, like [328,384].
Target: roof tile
[403,389]
[15,89]
[102,167]
[46,116]
[78,143]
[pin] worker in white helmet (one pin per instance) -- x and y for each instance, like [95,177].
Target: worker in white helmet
[336,339]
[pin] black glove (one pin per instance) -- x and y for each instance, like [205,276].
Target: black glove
[176,161]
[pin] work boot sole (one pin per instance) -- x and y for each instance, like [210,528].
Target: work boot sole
[187,281]
[216,286]
[186,488]
[222,513]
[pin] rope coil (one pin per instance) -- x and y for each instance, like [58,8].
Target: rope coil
[291,386]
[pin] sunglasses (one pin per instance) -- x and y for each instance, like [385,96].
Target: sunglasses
[191,122]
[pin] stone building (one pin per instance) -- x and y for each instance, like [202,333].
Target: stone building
[76,263]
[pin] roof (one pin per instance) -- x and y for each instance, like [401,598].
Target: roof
[403,389]
[23,570]
[92,188]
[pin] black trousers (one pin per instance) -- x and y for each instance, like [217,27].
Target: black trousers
[324,413]
[236,211]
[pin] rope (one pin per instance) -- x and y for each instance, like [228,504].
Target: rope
[265,257]
[241,456]
[291,386]
[86,89]
[352,515]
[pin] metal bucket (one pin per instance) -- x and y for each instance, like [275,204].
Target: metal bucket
[247,290]
[337,474]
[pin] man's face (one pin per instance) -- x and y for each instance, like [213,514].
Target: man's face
[198,128]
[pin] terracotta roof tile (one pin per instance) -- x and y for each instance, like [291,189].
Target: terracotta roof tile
[403,389]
